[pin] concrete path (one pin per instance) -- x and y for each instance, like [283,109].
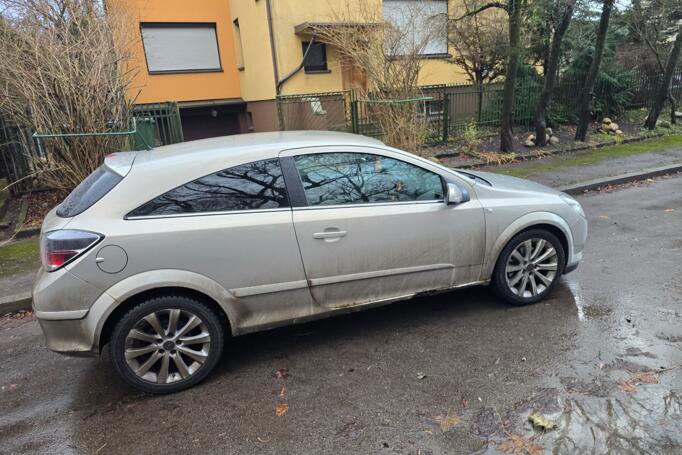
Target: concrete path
[17,284]
[566,175]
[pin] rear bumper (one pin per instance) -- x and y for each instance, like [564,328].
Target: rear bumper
[62,304]
[69,337]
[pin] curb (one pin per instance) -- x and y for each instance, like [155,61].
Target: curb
[23,301]
[14,303]
[581,187]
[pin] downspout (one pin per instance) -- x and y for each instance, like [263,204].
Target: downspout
[299,67]
[273,52]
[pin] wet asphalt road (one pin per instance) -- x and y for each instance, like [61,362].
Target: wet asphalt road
[353,382]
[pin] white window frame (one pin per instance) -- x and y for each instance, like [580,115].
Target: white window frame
[156,67]
[445,52]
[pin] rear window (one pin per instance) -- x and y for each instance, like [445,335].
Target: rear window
[90,190]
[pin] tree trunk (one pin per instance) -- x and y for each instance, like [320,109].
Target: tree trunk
[550,75]
[592,73]
[506,141]
[663,91]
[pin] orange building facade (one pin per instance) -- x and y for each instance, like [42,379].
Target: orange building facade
[184,51]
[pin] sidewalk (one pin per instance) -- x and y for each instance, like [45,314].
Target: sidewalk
[574,168]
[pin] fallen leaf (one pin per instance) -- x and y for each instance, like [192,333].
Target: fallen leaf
[282,373]
[626,386]
[542,422]
[669,210]
[447,422]
[420,375]
[644,377]
[603,217]
[281,409]
[600,366]
[282,390]
[518,445]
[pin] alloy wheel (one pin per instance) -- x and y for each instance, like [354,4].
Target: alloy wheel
[531,267]
[167,346]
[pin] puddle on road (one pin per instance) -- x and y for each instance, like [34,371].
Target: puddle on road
[646,421]
[598,417]
[586,311]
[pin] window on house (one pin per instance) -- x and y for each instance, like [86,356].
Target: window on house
[420,27]
[252,186]
[316,59]
[180,47]
[238,45]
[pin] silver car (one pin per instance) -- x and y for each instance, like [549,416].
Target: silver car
[163,254]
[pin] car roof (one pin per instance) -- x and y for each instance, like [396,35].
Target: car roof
[256,143]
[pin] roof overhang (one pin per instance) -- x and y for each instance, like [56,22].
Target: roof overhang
[309,28]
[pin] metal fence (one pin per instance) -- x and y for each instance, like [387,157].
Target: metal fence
[18,147]
[448,109]
[315,111]
[16,150]
[167,123]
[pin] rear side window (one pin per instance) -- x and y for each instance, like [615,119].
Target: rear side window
[90,190]
[252,186]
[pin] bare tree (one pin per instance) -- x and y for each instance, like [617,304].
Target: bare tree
[65,69]
[663,92]
[389,56]
[654,25]
[587,94]
[479,41]
[565,10]
[514,10]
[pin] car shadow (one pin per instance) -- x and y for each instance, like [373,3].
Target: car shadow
[415,318]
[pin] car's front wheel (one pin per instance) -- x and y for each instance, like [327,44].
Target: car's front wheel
[529,267]
[167,344]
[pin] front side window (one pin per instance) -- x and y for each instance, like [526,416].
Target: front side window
[359,178]
[316,58]
[253,186]
[180,47]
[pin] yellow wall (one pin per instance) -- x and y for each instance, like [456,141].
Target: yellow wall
[289,13]
[257,76]
[147,88]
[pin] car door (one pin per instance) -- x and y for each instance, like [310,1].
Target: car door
[372,226]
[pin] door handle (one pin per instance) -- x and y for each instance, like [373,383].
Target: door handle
[329,234]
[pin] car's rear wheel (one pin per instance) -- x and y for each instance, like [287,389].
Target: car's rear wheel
[529,267]
[167,344]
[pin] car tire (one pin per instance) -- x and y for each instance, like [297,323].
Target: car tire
[526,275]
[167,344]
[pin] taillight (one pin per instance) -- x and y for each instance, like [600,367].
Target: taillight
[58,248]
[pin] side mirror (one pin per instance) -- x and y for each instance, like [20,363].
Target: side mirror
[456,195]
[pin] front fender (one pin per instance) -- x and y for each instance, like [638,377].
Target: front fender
[522,223]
